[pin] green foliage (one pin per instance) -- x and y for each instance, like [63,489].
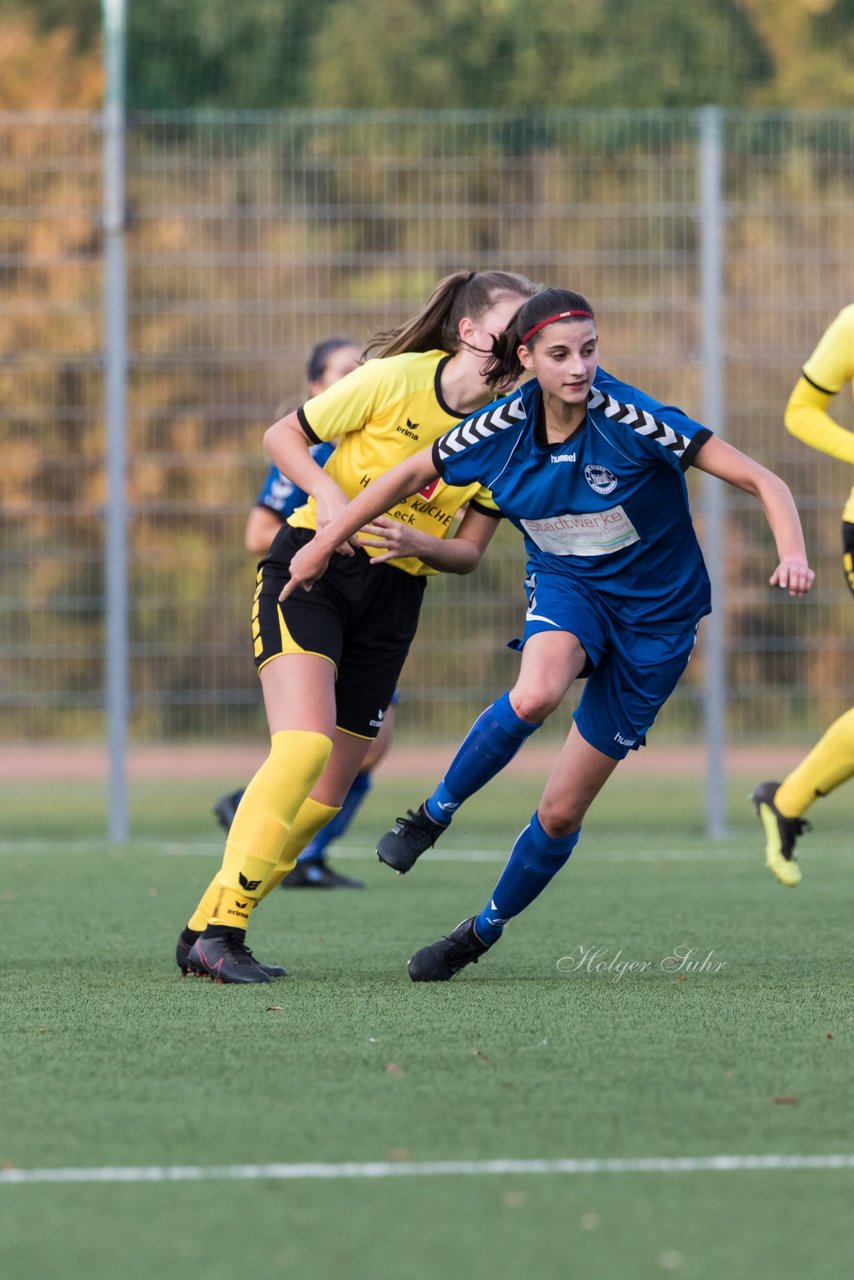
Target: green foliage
[214,53]
[508,53]
[268,54]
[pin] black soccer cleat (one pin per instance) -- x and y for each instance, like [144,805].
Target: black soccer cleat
[187,939]
[226,807]
[439,962]
[225,957]
[401,847]
[781,835]
[318,875]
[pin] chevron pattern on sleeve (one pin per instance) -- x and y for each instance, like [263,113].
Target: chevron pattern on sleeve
[639,420]
[480,428]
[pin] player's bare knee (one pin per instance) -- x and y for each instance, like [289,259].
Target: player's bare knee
[559,818]
[534,705]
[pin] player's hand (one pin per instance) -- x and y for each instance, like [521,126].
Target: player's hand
[330,505]
[307,565]
[395,539]
[848,553]
[793,575]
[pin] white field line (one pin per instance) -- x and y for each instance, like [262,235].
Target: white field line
[441,1168]
[212,850]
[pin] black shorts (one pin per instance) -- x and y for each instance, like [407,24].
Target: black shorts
[362,617]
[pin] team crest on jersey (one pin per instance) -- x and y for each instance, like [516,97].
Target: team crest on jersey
[600,479]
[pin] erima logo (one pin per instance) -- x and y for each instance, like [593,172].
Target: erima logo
[378,723]
[563,457]
[242,905]
[410,430]
[248,885]
[624,742]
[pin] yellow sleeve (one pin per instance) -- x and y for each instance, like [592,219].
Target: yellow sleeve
[347,405]
[831,365]
[807,419]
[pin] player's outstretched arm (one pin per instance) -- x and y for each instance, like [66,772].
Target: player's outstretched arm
[460,554]
[406,478]
[720,459]
[807,419]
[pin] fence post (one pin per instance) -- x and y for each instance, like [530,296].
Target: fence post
[712,215]
[115,409]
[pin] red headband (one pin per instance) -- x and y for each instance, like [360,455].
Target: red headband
[561,315]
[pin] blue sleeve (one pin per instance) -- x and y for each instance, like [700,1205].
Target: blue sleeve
[275,492]
[280,495]
[663,432]
[472,450]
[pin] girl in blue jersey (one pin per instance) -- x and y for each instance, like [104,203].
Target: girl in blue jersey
[591,471]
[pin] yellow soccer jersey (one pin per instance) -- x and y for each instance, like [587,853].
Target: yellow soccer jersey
[381,413]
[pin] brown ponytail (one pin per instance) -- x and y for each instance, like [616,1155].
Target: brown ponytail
[436,325]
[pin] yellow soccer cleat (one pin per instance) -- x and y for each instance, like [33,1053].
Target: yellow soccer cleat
[781,833]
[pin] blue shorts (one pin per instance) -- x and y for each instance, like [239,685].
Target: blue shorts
[630,675]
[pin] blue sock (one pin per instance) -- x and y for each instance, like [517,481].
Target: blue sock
[490,744]
[535,858]
[335,827]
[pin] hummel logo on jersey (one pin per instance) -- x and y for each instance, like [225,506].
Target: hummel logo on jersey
[639,420]
[410,430]
[248,885]
[563,457]
[482,427]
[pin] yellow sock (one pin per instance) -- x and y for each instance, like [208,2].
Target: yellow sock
[311,817]
[262,822]
[830,763]
[228,873]
[200,918]
[305,826]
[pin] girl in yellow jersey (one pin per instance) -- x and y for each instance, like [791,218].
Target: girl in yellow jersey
[781,805]
[329,659]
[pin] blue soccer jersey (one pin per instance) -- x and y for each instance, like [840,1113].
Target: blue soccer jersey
[280,495]
[608,507]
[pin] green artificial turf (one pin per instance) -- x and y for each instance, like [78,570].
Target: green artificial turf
[542,1051]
